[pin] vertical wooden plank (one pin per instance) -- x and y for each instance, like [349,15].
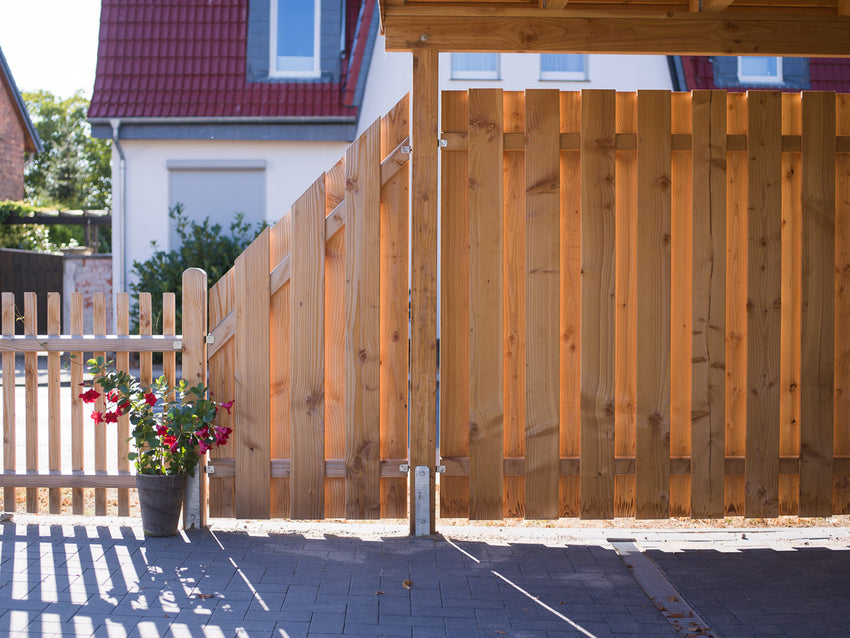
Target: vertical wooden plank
[681,304]
[77,435]
[598,287]
[542,303]
[395,210]
[652,462]
[99,323]
[363,325]
[790,312]
[817,378]
[423,284]
[514,300]
[251,447]
[570,325]
[335,366]
[625,329]
[194,304]
[764,260]
[279,249]
[486,321]
[223,387]
[9,447]
[708,389]
[736,300]
[307,321]
[31,384]
[122,324]
[841,491]
[54,416]
[454,308]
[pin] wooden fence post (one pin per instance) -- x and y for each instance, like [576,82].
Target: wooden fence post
[195,372]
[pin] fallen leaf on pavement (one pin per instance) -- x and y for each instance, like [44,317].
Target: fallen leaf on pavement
[205,596]
[407,584]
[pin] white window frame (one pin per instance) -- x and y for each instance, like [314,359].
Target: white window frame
[316,71]
[569,76]
[761,79]
[462,74]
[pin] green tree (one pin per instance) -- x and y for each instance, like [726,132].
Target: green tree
[74,169]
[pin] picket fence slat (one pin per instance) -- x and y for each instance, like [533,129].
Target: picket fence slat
[486,409]
[122,325]
[99,322]
[9,442]
[763,295]
[31,405]
[54,415]
[77,434]
[598,267]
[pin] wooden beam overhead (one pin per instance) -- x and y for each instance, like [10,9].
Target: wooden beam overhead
[574,31]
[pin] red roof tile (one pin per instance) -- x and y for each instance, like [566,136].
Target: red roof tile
[187,58]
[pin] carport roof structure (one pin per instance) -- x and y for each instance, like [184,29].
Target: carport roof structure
[685,27]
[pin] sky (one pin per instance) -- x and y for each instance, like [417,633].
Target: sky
[51,44]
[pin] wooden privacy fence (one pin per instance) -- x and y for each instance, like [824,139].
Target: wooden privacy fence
[309,333]
[645,304]
[67,450]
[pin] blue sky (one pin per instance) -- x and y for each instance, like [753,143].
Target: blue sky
[51,44]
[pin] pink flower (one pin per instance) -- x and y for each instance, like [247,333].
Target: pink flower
[203,446]
[110,417]
[90,396]
[97,417]
[221,435]
[203,433]
[227,406]
[150,397]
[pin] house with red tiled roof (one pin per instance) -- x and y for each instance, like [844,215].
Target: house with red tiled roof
[238,105]
[18,137]
[744,73]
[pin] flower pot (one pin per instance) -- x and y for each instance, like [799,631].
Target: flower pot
[160,501]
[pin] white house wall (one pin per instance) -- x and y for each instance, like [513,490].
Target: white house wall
[290,168]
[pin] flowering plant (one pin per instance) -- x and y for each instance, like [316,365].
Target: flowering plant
[172,425]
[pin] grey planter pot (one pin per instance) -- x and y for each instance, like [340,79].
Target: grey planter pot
[160,501]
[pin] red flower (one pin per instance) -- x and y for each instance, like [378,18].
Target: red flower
[113,395]
[150,397]
[203,433]
[221,435]
[170,441]
[90,396]
[227,406]
[110,417]
[123,408]
[162,430]
[97,417]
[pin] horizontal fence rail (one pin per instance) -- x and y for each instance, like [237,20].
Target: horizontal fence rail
[62,451]
[309,333]
[644,304]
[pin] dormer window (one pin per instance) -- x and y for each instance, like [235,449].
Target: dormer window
[295,39]
[760,70]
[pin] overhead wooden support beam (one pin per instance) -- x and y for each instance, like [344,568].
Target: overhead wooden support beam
[703,33]
[423,278]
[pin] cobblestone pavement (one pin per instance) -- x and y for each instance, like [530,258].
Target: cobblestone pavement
[63,576]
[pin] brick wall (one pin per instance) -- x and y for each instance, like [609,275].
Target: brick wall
[87,274]
[11,148]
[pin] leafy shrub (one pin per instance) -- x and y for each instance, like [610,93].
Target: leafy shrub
[203,245]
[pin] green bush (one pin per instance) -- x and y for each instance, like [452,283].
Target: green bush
[203,245]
